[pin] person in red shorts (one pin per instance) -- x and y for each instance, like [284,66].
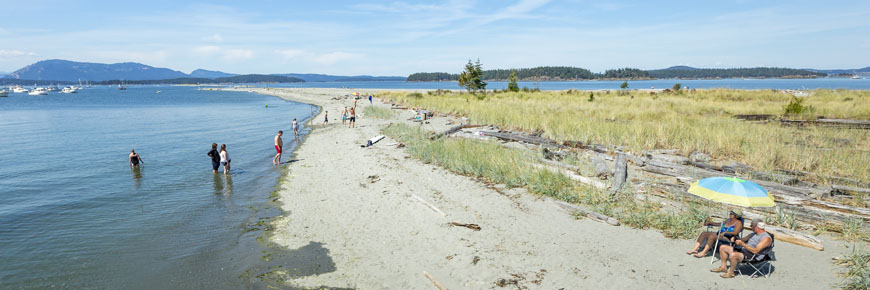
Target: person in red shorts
[279,146]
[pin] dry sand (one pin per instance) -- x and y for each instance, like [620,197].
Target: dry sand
[359,208]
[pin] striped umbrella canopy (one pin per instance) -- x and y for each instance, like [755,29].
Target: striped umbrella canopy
[732,190]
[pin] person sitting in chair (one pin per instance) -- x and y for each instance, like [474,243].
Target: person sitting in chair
[744,249]
[727,231]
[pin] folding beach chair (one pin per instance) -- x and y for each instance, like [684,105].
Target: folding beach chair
[759,265]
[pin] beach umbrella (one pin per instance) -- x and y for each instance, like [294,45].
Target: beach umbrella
[731,191]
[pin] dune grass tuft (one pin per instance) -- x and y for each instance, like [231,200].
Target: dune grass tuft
[377,112]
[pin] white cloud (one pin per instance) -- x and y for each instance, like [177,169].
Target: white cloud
[289,53]
[334,57]
[227,54]
[214,38]
[237,54]
[14,53]
[207,49]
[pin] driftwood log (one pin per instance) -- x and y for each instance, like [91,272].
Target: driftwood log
[449,131]
[524,138]
[589,213]
[620,176]
[570,174]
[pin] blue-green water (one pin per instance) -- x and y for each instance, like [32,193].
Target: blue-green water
[75,215]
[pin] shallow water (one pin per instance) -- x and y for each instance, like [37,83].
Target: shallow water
[75,215]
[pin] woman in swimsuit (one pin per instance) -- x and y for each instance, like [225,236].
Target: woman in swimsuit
[225,159]
[135,159]
[727,231]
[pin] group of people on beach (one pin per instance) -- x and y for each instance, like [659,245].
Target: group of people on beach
[220,157]
[730,246]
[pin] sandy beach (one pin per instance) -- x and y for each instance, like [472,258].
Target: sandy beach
[380,219]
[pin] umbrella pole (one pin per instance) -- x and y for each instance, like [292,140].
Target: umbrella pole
[715,248]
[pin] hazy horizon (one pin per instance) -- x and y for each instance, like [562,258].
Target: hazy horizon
[400,38]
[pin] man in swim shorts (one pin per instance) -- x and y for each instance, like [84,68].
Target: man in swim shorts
[279,146]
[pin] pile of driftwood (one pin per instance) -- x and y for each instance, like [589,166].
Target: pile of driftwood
[810,203]
[822,122]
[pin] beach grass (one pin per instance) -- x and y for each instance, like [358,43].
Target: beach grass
[690,121]
[493,163]
[856,269]
[377,112]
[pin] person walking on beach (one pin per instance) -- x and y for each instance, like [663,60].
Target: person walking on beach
[370,99]
[295,127]
[352,123]
[215,158]
[225,159]
[344,116]
[279,146]
[135,159]
[325,117]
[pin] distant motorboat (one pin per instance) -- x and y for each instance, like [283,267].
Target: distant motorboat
[122,87]
[855,77]
[69,90]
[19,90]
[4,93]
[38,92]
[51,88]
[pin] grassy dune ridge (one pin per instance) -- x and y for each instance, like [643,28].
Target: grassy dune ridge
[698,121]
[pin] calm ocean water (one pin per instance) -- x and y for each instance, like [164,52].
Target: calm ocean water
[74,214]
[821,83]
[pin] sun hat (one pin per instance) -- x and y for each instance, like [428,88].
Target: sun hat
[738,212]
[760,225]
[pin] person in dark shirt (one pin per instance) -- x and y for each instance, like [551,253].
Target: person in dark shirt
[215,158]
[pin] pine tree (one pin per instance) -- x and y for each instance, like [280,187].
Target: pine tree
[512,82]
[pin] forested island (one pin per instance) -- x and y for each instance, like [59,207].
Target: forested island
[240,79]
[557,73]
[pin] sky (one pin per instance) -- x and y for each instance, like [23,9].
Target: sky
[397,38]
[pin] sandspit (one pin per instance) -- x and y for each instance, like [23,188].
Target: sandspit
[382,220]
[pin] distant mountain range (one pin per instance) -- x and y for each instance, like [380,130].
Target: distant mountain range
[210,74]
[64,70]
[71,71]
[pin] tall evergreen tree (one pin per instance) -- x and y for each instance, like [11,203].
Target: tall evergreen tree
[472,78]
[512,82]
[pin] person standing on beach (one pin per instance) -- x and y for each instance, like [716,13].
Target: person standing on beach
[344,116]
[215,158]
[225,159]
[295,127]
[135,159]
[279,146]
[325,117]
[370,99]
[352,123]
